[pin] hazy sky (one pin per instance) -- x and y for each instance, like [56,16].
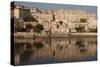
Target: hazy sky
[87,8]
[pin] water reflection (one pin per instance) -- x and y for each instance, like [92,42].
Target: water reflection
[54,50]
[38,45]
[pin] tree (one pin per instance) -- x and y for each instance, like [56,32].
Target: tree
[29,27]
[57,26]
[38,28]
[60,22]
[23,29]
[83,20]
[53,17]
[93,30]
[27,17]
[18,24]
[80,29]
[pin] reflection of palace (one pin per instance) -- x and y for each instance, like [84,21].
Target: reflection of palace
[60,50]
[60,20]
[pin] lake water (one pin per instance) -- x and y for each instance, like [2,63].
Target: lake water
[55,50]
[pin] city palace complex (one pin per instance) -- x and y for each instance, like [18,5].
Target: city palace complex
[58,21]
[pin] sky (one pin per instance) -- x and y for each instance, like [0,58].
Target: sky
[91,9]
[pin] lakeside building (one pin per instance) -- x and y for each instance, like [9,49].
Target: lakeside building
[59,21]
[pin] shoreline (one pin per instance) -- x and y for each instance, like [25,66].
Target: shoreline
[30,35]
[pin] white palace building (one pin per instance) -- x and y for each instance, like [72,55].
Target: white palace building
[59,20]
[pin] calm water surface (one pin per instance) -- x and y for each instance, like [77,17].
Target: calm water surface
[55,50]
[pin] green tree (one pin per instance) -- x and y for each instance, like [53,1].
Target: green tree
[53,17]
[27,17]
[57,26]
[60,22]
[38,28]
[83,20]
[80,29]
[29,27]
[93,30]
[18,24]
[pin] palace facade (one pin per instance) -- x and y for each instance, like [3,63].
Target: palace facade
[58,20]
